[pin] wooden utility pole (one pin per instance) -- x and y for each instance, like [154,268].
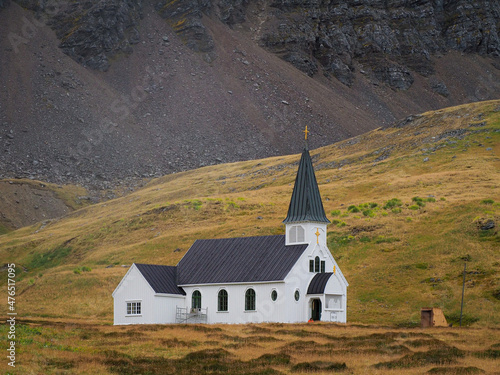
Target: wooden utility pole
[463,290]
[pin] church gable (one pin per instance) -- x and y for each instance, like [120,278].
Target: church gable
[238,260]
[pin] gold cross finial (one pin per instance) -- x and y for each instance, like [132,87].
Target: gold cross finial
[317,235]
[306,132]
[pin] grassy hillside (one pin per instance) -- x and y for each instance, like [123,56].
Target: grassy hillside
[409,204]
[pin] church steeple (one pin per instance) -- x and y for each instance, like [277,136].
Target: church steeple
[306,204]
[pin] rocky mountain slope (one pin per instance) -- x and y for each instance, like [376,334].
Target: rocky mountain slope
[106,93]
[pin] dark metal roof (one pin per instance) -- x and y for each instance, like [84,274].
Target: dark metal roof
[161,278]
[306,204]
[244,259]
[318,283]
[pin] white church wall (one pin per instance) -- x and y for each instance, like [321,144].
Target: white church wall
[134,288]
[298,280]
[335,300]
[266,310]
[165,306]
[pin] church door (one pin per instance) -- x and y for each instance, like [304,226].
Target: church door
[316,309]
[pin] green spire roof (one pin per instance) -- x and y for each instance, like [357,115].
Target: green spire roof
[306,204]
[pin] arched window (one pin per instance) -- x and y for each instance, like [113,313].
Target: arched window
[222,300]
[196,300]
[250,300]
[316,264]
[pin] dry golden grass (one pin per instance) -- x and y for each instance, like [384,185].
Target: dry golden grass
[395,262]
[75,347]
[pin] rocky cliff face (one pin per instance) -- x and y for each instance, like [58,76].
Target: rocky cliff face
[391,39]
[95,92]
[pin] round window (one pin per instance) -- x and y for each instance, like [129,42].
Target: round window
[297,295]
[274,295]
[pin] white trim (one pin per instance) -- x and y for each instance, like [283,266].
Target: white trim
[233,283]
[295,291]
[121,281]
[170,295]
[271,295]
[201,298]
[136,301]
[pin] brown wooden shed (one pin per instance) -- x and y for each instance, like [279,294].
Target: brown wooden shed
[432,317]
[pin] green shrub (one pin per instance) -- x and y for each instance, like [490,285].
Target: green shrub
[86,269]
[232,205]
[419,201]
[431,199]
[442,199]
[339,223]
[414,207]
[392,203]
[396,210]
[368,213]
[77,271]
[353,208]
[335,213]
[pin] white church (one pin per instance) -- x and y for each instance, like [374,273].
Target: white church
[286,278]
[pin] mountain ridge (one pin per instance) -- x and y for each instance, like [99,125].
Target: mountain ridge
[165,104]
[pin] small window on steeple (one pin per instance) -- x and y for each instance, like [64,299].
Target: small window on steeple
[297,234]
[316,264]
